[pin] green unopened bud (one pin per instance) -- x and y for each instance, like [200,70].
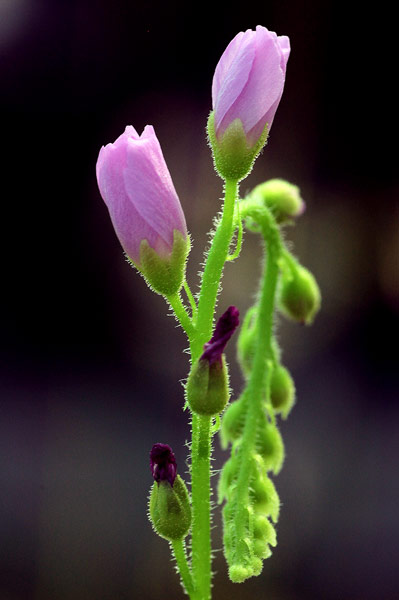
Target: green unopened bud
[246,347]
[239,573]
[264,530]
[282,198]
[270,446]
[263,493]
[169,510]
[264,534]
[282,391]
[299,295]
[207,387]
[165,273]
[233,422]
[233,153]
[247,339]
[261,549]
[226,479]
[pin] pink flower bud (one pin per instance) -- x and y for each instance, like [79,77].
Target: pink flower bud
[248,82]
[137,188]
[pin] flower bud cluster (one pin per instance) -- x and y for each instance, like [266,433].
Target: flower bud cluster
[249,424]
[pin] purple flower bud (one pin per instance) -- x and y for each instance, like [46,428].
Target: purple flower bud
[137,188]
[249,80]
[163,463]
[224,329]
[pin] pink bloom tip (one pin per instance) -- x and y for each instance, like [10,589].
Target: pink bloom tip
[249,80]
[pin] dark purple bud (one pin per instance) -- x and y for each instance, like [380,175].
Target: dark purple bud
[163,463]
[225,327]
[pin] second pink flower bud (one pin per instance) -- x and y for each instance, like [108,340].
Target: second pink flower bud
[247,87]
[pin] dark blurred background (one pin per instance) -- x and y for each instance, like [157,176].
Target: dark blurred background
[90,363]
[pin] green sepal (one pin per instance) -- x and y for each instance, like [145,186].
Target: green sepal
[207,388]
[165,275]
[169,509]
[233,157]
[282,391]
[299,295]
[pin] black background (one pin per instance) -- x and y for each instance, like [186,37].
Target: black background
[90,365]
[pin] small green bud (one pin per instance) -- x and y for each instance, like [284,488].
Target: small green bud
[282,391]
[169,510]
[165,273]
[247,339]
[233,154]
[270,446]
[207,387]
[264,530]
[246,347]
[233,422]
[261,549]
[263,493]
[239,573]
[227,476]
[257,566]
[299,295]
[282,198]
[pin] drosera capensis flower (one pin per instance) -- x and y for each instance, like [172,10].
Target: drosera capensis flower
[144,207]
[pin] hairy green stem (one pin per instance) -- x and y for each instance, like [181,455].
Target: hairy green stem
[200,497]
[181,313]
[213,269]
[179,551]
